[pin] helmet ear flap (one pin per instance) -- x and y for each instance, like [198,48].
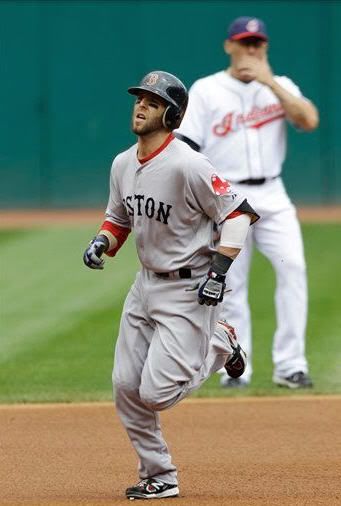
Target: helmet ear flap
[171,117]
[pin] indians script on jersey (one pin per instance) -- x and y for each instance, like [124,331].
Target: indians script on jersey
[256,118]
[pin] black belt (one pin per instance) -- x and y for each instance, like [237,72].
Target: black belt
[183,273]
[258,181]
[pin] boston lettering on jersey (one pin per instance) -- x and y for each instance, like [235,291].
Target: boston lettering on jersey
[256,118]
[139,205]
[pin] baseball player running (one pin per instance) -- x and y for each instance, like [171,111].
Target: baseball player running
[237,118]
[169,342]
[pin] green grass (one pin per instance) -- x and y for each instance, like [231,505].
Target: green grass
[59,319]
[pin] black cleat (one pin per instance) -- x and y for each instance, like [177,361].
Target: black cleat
[152,489]
[296,380]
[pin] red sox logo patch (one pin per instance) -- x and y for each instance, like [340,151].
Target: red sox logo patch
[220,186]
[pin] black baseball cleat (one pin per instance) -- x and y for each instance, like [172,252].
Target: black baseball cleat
[235,365]
[152,489]
[296,380]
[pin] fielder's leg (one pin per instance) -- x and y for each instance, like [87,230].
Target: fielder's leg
[279,238]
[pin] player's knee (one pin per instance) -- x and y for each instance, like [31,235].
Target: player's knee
[124,384]
[292,267]
[156,399]
[150,398]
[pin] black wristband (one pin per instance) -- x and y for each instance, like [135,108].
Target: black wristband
[221,264]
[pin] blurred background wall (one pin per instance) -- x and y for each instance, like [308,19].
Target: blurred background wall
[66,65]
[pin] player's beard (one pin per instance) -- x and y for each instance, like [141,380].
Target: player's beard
[148,127]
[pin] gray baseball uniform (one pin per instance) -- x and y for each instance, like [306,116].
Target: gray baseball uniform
[167,344]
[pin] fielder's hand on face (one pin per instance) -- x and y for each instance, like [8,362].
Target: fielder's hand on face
[92,255]
[211,291]
[259,69]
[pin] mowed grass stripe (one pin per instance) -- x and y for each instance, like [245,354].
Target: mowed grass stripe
[57,334]
[46,289]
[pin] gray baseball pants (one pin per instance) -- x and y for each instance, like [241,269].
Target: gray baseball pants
[166,348]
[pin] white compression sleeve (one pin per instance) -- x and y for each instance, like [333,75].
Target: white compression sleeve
[234,231]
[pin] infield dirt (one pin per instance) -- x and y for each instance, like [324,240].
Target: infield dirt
[248,451]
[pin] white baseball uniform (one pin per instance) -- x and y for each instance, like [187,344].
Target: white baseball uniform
[167,344]
[241,128]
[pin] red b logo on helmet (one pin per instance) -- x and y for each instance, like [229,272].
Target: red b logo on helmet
[152,79]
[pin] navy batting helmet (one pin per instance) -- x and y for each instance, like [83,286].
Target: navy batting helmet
[171,89]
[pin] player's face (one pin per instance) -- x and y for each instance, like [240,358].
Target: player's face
[147,114]
[244,55]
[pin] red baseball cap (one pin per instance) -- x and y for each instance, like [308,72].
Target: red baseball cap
[244,27]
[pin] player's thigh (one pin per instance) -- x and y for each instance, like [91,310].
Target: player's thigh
[135,335]
[279,238]
[177,351]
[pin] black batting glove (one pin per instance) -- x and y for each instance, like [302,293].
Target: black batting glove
[92,255]
[211,291]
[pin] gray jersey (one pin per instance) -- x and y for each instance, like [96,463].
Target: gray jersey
[171,201]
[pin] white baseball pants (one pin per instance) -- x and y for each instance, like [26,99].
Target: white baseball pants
[277,236]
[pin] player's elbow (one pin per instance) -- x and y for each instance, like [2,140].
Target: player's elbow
[311,120]
[311,123]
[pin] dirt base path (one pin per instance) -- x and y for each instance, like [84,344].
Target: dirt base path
[241,452]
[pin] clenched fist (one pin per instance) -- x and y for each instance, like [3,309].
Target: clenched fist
[211,291]
[92,255]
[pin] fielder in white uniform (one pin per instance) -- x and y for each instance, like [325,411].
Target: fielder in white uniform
[237,118]
[168,343]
